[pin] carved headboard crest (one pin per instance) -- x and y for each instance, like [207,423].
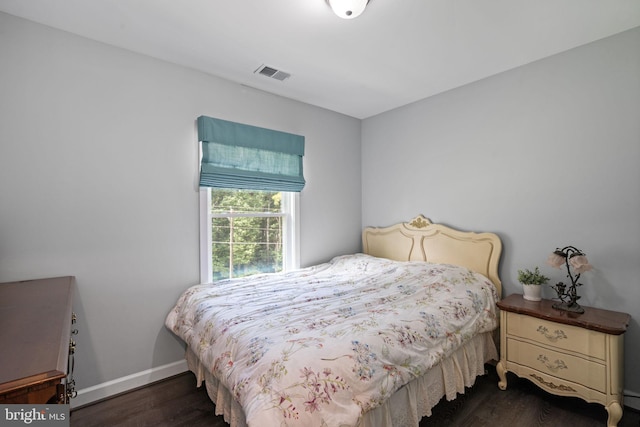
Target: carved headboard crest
[419,222]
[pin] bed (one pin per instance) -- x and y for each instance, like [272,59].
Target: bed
[371,339]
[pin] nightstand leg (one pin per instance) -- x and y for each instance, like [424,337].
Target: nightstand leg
[502,373]
[615,414]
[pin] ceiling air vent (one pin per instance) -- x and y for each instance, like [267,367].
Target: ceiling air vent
[272,72]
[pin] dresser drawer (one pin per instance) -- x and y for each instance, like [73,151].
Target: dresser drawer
[563,366]
[565,337]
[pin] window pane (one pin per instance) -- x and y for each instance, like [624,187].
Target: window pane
[245,245]
[245,201]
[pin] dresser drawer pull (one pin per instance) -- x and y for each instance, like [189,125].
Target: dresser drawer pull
[552,385]
[558,334]
[553,367]
[71,390]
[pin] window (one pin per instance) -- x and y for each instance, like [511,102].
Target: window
[247,232]
[250,178]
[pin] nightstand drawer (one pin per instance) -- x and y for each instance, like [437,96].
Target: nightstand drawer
[563,366]
[565,337]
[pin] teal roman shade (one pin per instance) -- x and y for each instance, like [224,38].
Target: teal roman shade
[240,156]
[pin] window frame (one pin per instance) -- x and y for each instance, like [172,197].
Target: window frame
[290,233]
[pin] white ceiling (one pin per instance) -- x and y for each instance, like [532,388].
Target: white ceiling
[395,53]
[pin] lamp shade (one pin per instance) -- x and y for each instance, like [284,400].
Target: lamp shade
[348,9]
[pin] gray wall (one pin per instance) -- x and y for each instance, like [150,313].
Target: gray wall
[545,155]
[98,170]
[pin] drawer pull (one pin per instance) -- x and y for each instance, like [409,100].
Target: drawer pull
[71,390]
[553,367]
[552,385]
[559,334]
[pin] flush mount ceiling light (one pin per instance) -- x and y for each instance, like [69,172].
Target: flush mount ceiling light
[348,9]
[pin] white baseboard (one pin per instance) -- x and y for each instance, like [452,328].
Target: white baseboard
[119,385]
[632,400]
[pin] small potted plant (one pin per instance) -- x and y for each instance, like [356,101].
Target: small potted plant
[532,282]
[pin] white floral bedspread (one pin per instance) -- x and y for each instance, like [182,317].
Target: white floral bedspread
[322,345]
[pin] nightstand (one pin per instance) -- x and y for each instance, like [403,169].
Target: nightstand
[564,353]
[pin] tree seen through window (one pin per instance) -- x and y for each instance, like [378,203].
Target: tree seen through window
[246,232]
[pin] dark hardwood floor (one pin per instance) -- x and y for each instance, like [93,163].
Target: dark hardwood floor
[177,402]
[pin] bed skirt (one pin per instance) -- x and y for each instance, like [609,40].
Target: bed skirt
[406,406]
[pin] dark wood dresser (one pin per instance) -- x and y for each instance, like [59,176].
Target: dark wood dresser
[36,344]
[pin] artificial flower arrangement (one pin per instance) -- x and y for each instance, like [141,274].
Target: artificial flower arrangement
[532,281]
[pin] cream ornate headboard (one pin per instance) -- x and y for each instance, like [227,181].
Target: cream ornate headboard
[420,240]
